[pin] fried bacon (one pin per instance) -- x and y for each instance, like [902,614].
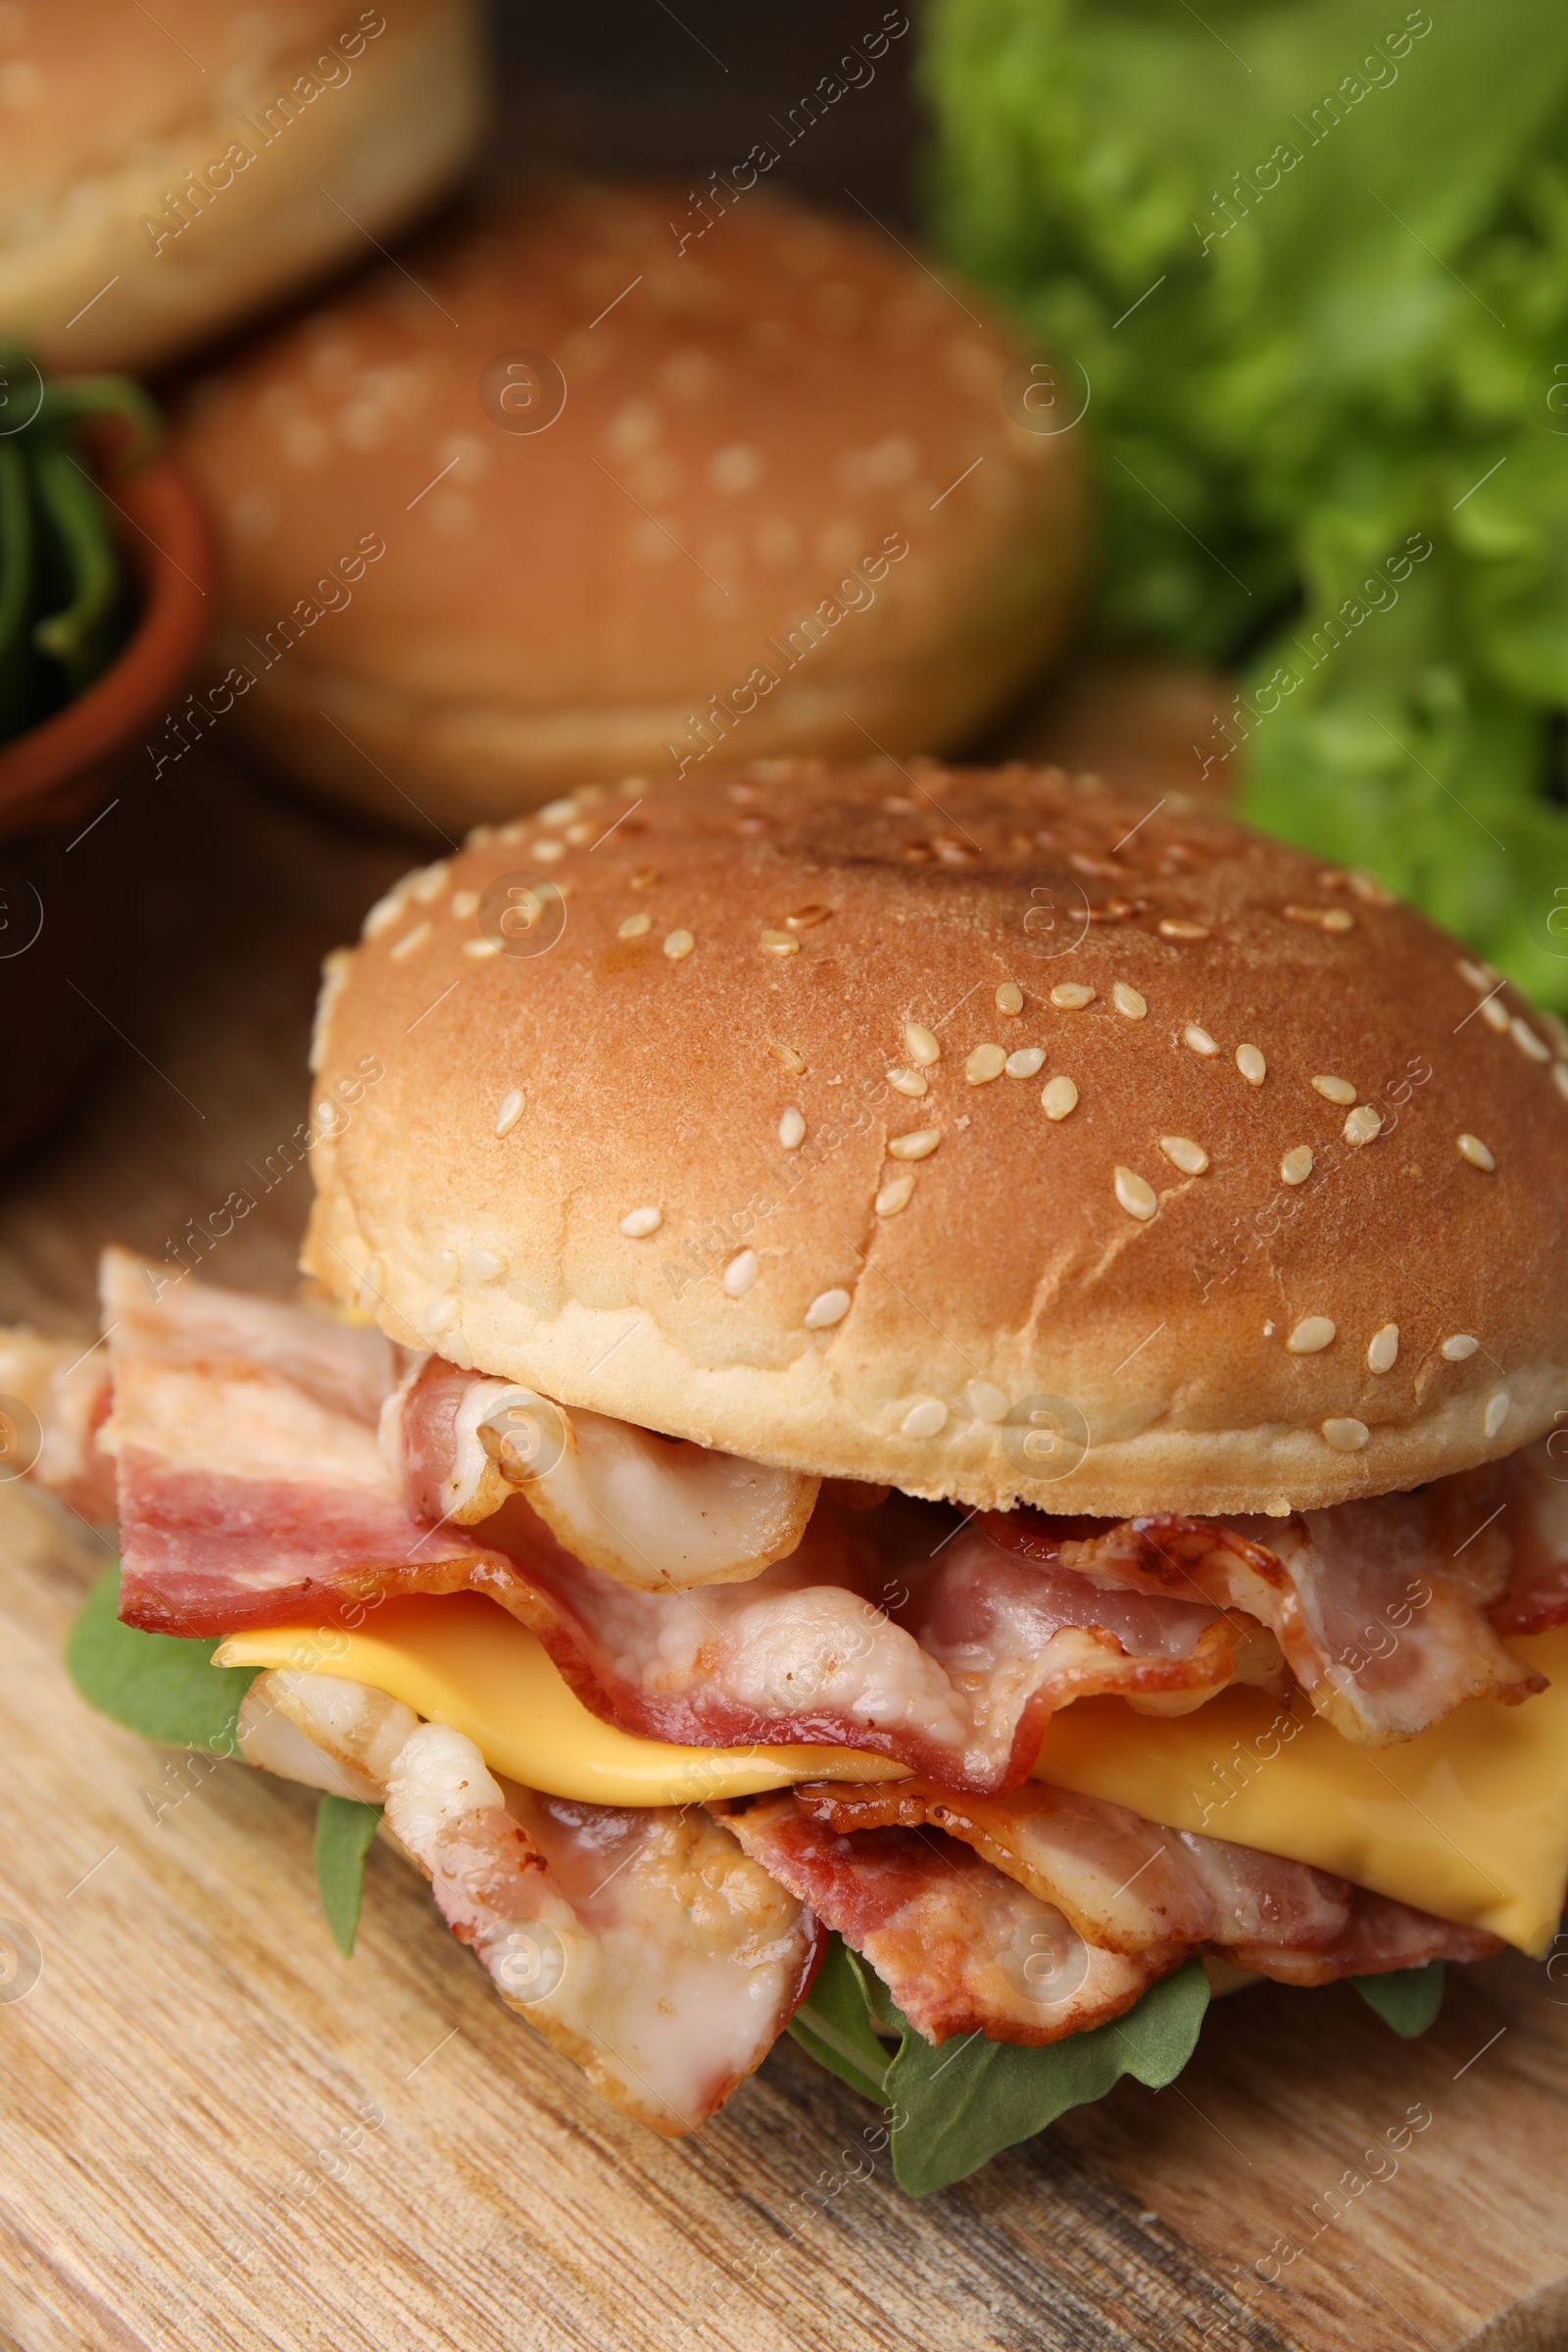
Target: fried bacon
[253,1491]
[652,1513]
[962,1949]
[1380,1607]
[1131,1886]
[644,1945]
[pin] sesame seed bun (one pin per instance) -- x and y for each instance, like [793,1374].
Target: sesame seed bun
[163,173]
[783,508]
[645,1154]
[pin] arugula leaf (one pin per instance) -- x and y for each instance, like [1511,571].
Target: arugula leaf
[833,2024]
[955,2108]
[1406,1998]
[344,1830]
[161,1685]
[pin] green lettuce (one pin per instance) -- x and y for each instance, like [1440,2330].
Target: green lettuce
[1313,256]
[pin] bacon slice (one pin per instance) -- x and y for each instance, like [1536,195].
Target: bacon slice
[961,1948]
[1537,1594]
[67,1388]
[1132,1886]
[652,1513]
[644,1945]
[1380,1607]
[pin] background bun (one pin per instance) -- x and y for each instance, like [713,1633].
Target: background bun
[642,1153]
[784,507]
[162,173]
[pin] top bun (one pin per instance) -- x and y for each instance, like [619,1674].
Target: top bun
[636,1144]
[165,172]
[784,503]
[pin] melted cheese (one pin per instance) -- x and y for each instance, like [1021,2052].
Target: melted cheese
[1469,1820]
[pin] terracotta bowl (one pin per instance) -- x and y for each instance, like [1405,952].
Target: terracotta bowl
[66,853]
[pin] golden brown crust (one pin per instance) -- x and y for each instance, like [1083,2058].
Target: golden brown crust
[784,507]
[646,1080]
[114,259]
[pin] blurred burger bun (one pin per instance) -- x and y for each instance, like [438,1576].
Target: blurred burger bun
[1140,723]
[163,174]
[629,493]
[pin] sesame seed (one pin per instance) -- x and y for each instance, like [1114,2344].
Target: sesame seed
[779,943]
[1059,1098]
[1525,1038]
[556,812]
[1249,1061]
[1071,996]
[920,1046]
[638,1223]
[1128,1001]
[1323,918]
[1472,1149]
[682,943]
[507,833]
[1494,1013]
[547,852]
[792,1129]
[1175,926]
[644,877]
[509,1111]
[1364,1124]
[1346,1436]
[430,884]
[1476,976]
[827,1309]
[985,1063]
[741,1272]
[918,1146]
[1009,998]
[443,1269]
[578,834]
[787,1058]
[1369,889]
[1025,1062]
[480,948]
[926,1418]
[1335,1090]
[1560,1078]
[464,904]
[1296,1165]
[986,1401]
[1312,1336]
[895,1195]
[909,1082]
[635,926]
[482,1265]
[382,914]
[440,1314]
[806,918]
[409,942]
[1183,1153]
[1199,1039]
[1459,1348]
[1497,1412]
[1136,1195]
[1383,1347]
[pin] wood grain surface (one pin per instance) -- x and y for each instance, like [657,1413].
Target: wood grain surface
[214,2133]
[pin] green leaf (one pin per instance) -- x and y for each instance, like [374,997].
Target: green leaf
[957,2107]
[1406,1998]
[160,1685]
[343,1833]
[833,2022]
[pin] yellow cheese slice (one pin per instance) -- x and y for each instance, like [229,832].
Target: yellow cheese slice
[464,1660]
[1469,1821]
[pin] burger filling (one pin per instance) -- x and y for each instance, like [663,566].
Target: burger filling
[270,1466]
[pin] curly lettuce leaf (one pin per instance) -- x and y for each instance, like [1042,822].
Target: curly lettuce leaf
[1313,257]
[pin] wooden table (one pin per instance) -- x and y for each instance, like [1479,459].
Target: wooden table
[215,2132]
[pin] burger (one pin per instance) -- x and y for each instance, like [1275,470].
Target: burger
[924,1416]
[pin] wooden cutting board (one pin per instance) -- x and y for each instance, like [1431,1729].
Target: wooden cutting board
[215,2132]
